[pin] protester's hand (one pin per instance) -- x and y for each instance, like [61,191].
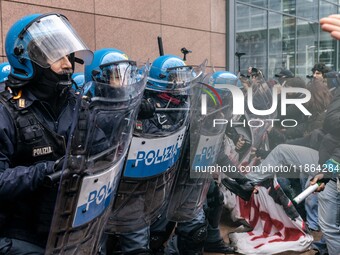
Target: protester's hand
[240,143]
[331,24]
[253,151]
[146,110]
[318,178]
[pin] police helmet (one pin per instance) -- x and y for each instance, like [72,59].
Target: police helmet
[41,39]
[109,64]
[224,77]
[5,69]
[78,79]
[170,73]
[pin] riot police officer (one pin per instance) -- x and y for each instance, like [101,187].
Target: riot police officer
[113,73]
[36,113]
[162,122]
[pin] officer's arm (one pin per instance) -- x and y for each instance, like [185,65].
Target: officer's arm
[20,179]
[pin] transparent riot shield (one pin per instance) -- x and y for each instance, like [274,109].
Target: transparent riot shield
[252,125]
[207,126]
[102,131]
[155,152]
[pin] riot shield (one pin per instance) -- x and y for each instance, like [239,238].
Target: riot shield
[253,127]
[102,131]
[200,151]
[155,152]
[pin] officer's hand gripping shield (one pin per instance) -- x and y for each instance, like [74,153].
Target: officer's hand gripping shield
[209,110]
[155,152]
[102,131]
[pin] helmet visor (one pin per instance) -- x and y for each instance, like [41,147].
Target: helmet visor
[117,82]
[177,80]
[118,74]
[49,38]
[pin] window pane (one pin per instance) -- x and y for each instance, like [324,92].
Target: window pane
[307,47]
[275,44]
[283,6]
[327,9]
[334,1]
[288,42]
[307,9]
[261,3]
[281,43]
[251,37]
[327,52]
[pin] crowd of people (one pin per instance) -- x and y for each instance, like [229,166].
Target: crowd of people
[101,162]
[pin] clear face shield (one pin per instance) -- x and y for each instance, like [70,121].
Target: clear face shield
[177,80]
[118,74]
[212,100]
[48,39]
[116,81]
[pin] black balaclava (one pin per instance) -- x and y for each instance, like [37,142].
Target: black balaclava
[51,87]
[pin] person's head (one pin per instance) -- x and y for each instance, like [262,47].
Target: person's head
[332,80]
[256,77]
[320,96]
[5,69]
[170,74]
[43,43]
[284,75]
[295,82]
[254,72]
[110,66]
[114,76]
[319,70]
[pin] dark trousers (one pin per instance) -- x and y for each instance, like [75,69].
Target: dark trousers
[10,246]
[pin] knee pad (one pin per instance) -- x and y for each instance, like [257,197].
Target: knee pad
[193,242]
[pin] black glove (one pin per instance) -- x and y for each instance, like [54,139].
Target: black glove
[146,110]
[262,153]
[58,164]
[72,164]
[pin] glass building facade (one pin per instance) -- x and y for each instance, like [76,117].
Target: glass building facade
[276,34]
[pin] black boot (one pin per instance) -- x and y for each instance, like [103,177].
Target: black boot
[218,247]
[240,187]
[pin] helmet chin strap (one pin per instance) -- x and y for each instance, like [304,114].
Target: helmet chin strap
[64,83]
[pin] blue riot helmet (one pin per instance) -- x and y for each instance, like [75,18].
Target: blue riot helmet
[109,65]
[78,79]
[170,73]
[5,69]
[41,39]
[112,67]
[224,77]
[216,80]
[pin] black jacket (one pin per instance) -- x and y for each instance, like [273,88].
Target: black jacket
[163,122]
[31,139]
[330,142]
